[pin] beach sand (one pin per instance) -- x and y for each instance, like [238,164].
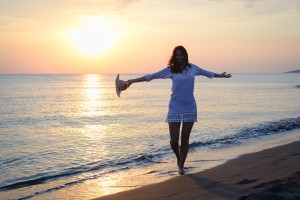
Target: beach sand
[269,174]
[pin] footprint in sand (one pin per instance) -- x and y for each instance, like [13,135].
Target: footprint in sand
[247,181]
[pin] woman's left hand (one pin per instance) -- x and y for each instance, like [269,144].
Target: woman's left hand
[224,75]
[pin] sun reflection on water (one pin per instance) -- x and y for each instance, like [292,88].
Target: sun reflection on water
[93,93]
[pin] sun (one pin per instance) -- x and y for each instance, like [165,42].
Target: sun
[93,38]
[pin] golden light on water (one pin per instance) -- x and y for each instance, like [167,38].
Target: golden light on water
[93,93]
[93,108]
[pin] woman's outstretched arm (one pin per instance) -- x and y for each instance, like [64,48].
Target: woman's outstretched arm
[130,81]
[164,73]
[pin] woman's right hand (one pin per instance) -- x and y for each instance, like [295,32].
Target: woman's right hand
[128,83]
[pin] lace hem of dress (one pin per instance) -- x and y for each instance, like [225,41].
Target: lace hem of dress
[182,117]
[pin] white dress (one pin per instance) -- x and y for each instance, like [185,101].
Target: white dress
[182,106]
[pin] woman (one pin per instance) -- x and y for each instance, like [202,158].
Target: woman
[182,106]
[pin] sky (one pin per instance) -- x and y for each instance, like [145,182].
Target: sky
[138,36]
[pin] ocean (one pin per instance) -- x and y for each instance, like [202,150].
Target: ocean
[71,137]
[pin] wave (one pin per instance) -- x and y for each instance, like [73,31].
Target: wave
[90,167]
[59,187]
[121,164]
[150,157]
[58,120]
[268,128]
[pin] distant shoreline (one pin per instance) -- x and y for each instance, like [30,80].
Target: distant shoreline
[294,71]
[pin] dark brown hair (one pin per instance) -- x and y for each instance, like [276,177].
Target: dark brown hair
[175,66]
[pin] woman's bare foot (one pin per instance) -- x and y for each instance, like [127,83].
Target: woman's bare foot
[181,171]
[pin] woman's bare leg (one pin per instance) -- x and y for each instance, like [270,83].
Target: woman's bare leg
[184,146]
[174,128]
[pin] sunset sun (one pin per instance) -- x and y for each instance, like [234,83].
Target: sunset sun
[96,37]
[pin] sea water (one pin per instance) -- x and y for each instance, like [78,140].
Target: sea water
[71,137]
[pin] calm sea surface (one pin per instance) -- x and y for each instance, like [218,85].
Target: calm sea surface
[71,137]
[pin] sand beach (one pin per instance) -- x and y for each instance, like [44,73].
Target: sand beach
[269,174]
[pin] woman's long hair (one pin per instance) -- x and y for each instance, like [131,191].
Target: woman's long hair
[175,66]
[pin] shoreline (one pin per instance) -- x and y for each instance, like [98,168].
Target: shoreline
[266,174]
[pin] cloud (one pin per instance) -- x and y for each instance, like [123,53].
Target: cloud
[294,8]
[49,9]
[250,3]
[127,3]
[122,6]
[119,5]
[14,24]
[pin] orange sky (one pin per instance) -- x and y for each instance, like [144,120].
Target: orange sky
[138,36]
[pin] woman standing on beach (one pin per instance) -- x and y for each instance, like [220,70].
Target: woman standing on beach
[182,106]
